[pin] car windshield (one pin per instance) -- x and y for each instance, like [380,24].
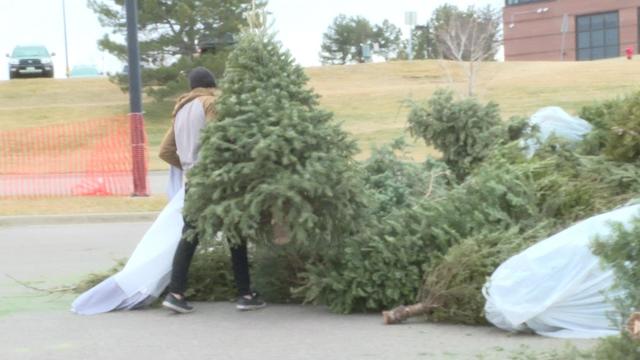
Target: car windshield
[27,51]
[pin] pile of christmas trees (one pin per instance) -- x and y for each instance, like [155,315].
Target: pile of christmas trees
[278,172]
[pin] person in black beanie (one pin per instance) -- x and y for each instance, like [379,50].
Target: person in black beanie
[200,77]
[180,148]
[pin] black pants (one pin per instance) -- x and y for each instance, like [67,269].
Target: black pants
[184,255]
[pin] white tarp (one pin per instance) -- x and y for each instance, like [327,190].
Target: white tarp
[553,120]
[148,270]
[557,287]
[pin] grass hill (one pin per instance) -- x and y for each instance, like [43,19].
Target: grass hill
[369,99]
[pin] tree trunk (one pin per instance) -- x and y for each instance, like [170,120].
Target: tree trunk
[402,312]
[280,228]
[633,325]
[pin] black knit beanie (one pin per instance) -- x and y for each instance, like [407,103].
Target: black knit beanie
[201,77]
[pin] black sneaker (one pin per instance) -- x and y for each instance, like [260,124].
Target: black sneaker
[177,305]
[250,302]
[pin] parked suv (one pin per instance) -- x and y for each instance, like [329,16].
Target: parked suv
[30,61]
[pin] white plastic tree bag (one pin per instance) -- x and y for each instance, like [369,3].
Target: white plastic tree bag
[553,120]
[557,287]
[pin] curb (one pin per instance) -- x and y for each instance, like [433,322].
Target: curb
[77,218]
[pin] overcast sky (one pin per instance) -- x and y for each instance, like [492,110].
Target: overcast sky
[299,24]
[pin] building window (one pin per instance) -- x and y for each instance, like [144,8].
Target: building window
[597,36]
[520,2]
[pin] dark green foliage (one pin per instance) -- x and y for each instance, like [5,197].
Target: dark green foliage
[571,187]
[277,270]
[464,131]
[597,115]
[272,155]
[617,128]
[170,33]
[395,184]
[385,266]
[505,205]
[210,276]
[167,81]
[376,268]
[425,45]
[517,128]
[621,252]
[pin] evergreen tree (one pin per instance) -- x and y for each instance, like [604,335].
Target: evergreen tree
[464,131]
[171,33]
[344,40]
[272,157]
[389,40]
[425,45]
[342,43]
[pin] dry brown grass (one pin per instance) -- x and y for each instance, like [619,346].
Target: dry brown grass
[370,98]
[81,205]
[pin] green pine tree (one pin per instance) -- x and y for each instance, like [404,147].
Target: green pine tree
[171,34]
[272,156]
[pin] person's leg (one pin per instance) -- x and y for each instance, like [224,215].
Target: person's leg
[181,262]
[240,266]
[247,299]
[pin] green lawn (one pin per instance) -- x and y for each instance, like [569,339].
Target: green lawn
[369,100]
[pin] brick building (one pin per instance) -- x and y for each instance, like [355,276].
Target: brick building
[557,30]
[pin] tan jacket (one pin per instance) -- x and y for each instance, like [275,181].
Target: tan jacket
[168,149]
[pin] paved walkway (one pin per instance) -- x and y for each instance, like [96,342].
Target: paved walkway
[36,325]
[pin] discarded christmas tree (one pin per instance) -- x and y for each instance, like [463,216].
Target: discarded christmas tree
[272,166]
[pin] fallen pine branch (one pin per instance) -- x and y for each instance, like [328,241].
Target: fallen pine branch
[49,291]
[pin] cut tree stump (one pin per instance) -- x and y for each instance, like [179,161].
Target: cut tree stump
[403,312]
[633,325]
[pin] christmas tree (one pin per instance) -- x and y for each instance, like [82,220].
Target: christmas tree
[272,165]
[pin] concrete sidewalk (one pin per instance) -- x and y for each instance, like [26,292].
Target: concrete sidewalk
[37,325]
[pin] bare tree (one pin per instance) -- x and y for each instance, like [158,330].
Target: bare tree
[470,38]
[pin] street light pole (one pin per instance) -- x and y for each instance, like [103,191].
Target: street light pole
[66,52]
[138,136]
[410,19]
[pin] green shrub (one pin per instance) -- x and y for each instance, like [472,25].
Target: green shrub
[621,252]
[464,131]
[617,128]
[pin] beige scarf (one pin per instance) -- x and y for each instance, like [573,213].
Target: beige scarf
[168,149]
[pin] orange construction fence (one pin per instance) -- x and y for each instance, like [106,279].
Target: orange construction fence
[92,157]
